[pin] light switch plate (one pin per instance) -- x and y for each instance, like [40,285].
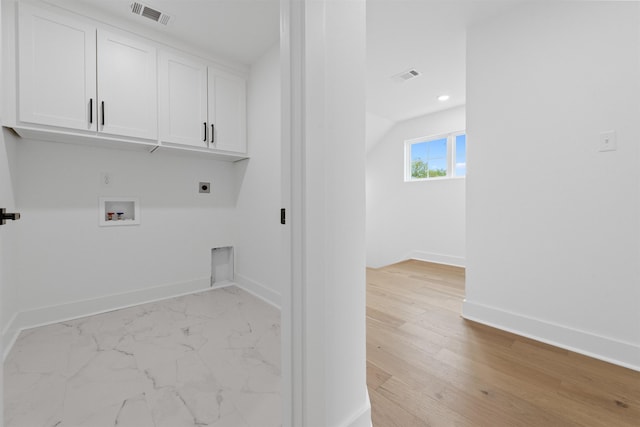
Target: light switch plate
[608,141]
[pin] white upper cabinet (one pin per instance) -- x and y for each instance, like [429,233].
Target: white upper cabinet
[72,75]
[79,78]
[201,106]
[127,88]
[182,83]
[57,70]
[227,111]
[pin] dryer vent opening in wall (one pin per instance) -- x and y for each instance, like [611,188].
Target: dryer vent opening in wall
[150,13]
[222,268]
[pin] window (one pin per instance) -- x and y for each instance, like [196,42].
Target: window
[440,156]
[460,155]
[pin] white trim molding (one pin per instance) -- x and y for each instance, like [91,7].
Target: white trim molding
[73,310]
[259,290]
[362,417]
[456,261]
[608,349]
[323,303]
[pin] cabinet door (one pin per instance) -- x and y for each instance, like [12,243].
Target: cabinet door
[182,85]
[127,87]
[57,70]
[228,111]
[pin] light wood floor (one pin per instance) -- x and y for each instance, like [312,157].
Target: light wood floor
[426,366]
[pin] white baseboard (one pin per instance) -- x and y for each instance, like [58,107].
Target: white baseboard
[258,289]
[59,313]
[437,258]
[73,310]
[599,347]
[362,417]
[9,336]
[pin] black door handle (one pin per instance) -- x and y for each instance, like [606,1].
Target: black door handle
[102,113]
[4,216]
[205,131]
[90,110]
[213,137]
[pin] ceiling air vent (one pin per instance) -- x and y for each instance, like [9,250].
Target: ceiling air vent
[151,13]
[405,75]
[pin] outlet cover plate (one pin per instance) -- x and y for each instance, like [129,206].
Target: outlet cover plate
[204,187]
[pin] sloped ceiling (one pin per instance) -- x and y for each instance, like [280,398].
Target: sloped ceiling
[428,36]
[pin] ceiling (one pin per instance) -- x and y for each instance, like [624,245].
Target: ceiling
[238,30]
[425,35]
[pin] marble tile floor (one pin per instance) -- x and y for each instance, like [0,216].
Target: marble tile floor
[206,359]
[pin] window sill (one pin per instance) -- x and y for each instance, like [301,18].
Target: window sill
[441,178]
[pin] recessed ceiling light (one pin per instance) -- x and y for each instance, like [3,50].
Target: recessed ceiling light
[443,98]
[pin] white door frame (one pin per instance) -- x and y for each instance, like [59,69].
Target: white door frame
[2,201]
[323,281]
[290,319]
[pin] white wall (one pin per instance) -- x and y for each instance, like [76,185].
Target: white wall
[7,200]
[553,224]
[422,220]
[258,234]
[328,213]
[341,233]
[67,265]
[8,239]
[376,127]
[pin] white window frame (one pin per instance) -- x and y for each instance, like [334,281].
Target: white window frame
[451,160]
